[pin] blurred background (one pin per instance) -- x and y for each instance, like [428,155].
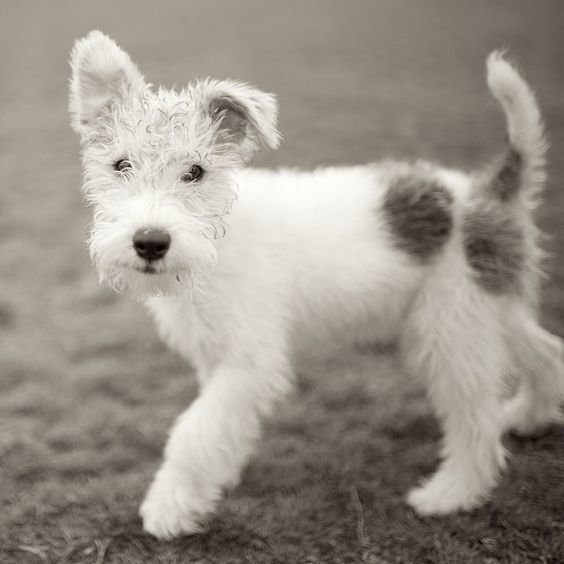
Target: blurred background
[87,392]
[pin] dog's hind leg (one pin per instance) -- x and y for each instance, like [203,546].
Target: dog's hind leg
[454,339]
[538,360]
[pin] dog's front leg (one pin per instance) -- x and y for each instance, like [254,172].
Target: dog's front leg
[210,443]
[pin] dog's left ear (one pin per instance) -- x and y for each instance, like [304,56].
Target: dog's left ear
[243,115]
[102,74]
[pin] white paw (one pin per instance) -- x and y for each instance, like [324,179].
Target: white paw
[172,507]
[441,495]
[524,420]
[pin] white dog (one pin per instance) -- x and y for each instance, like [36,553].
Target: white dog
[246,271]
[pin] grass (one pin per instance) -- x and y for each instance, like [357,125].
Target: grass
[87,392]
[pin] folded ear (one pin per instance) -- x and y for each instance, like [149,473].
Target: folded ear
[101,74]
[243,115]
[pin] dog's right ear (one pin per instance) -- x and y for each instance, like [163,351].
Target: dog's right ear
[102,74]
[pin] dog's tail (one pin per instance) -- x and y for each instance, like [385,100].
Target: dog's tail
[520,174]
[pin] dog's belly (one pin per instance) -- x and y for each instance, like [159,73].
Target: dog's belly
[371,312]
[322,339]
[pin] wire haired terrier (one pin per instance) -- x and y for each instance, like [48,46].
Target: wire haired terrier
[246,271]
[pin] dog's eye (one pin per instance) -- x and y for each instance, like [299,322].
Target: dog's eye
[123,165]
[193,175]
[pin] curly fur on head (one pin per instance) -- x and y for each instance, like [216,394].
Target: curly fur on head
[214,124]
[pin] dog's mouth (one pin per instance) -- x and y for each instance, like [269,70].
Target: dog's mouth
[147,269]
[152,270]
[144,279]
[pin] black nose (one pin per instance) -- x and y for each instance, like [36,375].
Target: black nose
[151,244]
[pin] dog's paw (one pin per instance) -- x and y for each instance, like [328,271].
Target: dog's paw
[524,420]
[440,496]
[172,508]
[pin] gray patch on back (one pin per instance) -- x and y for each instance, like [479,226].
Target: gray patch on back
[506,180]
[494,243]
[418,213]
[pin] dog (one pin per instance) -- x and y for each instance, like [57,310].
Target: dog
[247,271]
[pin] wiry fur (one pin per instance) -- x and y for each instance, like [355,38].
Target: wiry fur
[267,267]
[525,128]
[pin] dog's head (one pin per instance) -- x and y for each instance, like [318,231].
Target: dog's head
[159,166]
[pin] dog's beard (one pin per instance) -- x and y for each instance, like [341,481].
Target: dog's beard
[143,285]
[181,273]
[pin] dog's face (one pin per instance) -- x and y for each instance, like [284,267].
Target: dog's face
[159,166]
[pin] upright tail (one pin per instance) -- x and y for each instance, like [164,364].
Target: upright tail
[521,171]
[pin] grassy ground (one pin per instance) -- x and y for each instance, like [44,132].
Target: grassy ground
[87,392]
